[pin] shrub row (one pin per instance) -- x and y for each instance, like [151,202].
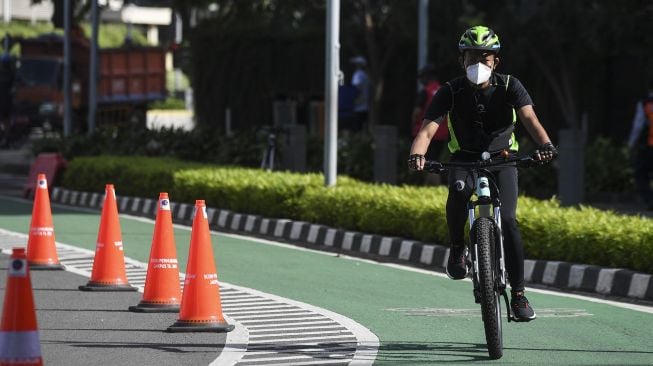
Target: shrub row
[605,167]
[583,235]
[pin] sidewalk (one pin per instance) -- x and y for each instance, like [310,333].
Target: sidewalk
[16,161]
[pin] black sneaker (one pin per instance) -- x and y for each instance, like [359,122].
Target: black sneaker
[457,263]
[521,309]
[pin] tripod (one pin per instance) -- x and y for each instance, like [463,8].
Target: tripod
[267,162]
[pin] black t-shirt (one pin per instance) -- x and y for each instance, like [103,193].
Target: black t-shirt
[441,103]
[480,120]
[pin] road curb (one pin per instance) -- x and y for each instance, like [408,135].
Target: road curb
[558,274]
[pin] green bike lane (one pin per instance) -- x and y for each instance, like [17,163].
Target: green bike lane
[419,317]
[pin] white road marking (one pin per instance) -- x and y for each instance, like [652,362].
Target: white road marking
[448,312]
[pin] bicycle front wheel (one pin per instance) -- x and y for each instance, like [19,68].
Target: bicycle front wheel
[490,296]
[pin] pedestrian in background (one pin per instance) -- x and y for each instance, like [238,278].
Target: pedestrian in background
[429,85]
[361,81]
[347,94]
[640,144]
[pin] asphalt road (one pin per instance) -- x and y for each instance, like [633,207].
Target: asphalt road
[81,328]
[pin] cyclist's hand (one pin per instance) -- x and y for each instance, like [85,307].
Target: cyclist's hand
[416,162]
[545,153]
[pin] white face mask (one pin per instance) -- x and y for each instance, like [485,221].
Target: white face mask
[478,73]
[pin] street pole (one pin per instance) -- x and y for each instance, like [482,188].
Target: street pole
[422,33]
[66,70]
[92,78]
[7,10]
[331,93]
[178,41]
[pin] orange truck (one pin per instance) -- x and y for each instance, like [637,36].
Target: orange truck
[129,78]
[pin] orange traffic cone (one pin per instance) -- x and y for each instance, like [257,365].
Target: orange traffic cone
[109,262]
[41,251]
[19,335]
[201,310]
[162,291]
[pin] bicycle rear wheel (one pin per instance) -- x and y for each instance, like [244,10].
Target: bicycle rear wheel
[490,296]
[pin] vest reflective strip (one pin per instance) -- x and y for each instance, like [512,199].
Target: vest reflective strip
[453,141]
[19,345]
[514,146]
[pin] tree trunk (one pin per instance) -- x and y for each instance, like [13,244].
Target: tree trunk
[378,63]
[562,88]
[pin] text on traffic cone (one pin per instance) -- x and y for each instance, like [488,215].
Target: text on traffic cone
[19,335]
[201,308]
[162,291]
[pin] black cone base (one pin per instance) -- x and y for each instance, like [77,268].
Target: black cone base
[144,307]
[99,287]
[45,267]
[193,327]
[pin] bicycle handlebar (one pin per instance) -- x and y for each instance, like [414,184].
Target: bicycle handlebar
[433,166]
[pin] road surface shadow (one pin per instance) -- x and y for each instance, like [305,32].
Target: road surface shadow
[166,347]
[428,352]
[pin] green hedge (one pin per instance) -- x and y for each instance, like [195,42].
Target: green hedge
[132,176]
[247,190]
[583,235]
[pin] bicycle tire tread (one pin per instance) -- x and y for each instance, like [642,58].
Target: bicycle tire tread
[483,228]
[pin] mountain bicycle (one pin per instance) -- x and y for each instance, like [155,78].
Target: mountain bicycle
[486,255]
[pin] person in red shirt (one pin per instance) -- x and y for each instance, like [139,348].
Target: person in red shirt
[430,84]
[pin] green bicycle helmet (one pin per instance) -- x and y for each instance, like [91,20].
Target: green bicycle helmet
[479,38]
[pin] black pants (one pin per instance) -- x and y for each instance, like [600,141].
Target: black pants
[643,171]
[461,186]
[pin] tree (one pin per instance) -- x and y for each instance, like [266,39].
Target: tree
[377,27]
[573,44]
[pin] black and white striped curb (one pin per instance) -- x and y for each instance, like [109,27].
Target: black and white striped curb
[562,275]
[270,329]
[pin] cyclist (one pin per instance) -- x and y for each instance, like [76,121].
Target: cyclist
[481,109]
